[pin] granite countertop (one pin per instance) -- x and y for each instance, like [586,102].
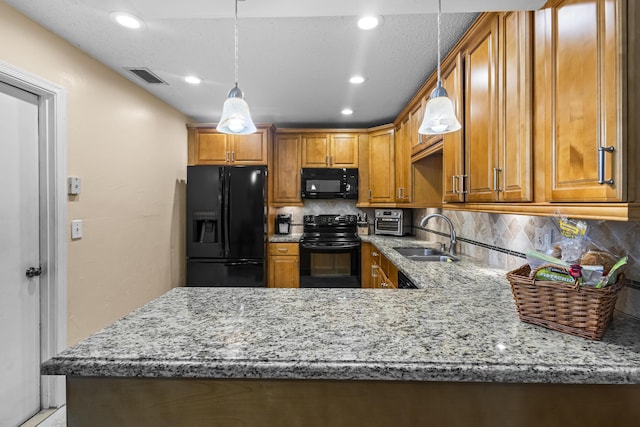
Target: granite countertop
[461,326]
[285,238]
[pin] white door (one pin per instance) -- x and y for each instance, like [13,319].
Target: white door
[19,250]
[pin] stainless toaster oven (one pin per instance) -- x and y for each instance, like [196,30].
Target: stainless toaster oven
[394,222]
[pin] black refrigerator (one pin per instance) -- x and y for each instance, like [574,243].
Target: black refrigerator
[226,235]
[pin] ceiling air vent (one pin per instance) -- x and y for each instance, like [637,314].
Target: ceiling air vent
[146,75]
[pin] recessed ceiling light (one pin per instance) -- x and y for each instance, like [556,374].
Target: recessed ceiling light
[369,22]
[356,80]
[193,80]
[347,112]
[127,20]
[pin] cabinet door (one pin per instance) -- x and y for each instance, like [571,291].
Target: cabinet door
[284,271]
[365,264]
[516,111]
[211,147]
[286,169]
[250,149]
[403,164]
[315,150]
[382,166]
[585,92]
[344,151]
[453,142]
[481,136]
[415,120]
[375,272]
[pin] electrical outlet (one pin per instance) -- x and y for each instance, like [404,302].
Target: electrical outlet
[547,239]
[538,240]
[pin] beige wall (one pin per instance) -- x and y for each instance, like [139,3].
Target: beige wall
[129,149]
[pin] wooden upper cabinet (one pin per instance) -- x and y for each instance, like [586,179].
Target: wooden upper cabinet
[382,166]
[515,167]
[250,149]
[585,100]
[315,150]
[403,164]
[481,105]
[286,169]
[207,146]
[415,120]
[498,115]
[343,151]
[454,177]
[211,147]
[324,150]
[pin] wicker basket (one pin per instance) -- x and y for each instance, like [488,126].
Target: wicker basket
[563,307]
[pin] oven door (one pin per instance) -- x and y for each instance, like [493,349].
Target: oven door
[330,265]
[391,226]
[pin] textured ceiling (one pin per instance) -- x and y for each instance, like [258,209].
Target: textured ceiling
[296,56]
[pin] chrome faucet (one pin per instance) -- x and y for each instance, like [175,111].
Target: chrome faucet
[452,233]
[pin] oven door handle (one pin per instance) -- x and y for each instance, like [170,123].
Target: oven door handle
[321,246]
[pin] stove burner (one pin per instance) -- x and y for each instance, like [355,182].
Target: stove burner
[330,231]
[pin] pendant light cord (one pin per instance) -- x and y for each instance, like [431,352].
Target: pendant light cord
[439,10]
[235,34]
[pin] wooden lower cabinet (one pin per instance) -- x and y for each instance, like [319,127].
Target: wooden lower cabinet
[284,265]
[110,401]
[377,271]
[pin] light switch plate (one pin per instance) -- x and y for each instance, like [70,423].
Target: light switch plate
[76,229]
[73,187]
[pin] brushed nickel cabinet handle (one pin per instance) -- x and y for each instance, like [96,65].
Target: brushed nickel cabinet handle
[462,186]
[601,171]
[233,156]
[496,187]
[283,249]
[226,156]
[454,179]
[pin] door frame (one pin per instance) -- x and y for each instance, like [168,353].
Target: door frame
[52,151]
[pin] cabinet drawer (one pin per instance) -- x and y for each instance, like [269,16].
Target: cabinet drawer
[283,249]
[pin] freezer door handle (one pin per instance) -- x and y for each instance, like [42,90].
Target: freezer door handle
[239,263]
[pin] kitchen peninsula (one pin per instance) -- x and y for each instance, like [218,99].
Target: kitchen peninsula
[451,353]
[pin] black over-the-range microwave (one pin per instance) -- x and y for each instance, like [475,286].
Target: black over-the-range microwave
[325,183]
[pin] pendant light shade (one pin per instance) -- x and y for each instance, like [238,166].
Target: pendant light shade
[236,118]
[439,115]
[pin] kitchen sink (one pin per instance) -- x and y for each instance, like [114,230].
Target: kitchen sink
[425,254]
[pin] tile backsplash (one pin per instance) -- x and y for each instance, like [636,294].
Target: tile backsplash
[501,241]
[322,207]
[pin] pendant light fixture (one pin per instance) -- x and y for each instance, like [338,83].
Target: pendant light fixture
[236,118]
[439,116]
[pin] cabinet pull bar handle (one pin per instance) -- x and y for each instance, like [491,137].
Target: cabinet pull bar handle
[233,156]
[601,153]
[369,194]
[462,186]
[399,193]
[373,273]
[326,160]
[226,156]
[453,184]
[330,160]
[495,179]
[283,249]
